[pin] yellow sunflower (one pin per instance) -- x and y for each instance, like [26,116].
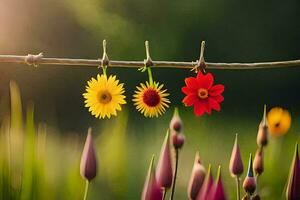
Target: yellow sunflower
[279,121]
[104,96]
[150,99]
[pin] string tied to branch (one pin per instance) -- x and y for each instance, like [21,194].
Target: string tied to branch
[201,65]
[105,59]
[34,60]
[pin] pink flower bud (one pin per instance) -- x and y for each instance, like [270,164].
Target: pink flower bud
[164,171]
[236,166]
[255,197]
[197,178]
[205,190]
[293,191]
[176,122]
[218,192]
[88,164]
[249,183]
[263,131]
[258,162]
[151,190]
[178,140]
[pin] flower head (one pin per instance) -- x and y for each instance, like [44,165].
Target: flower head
[178,140]
[236,166]
[207,186]
[150,99]
[258,162]
[151,190]
[88,164]
[263,131]
[218,192]
[104,96]
[279,121]
[249,183]
[197,178]
[202,94]
[164,171]
[176,122]
[293,192]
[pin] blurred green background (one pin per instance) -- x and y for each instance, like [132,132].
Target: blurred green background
[234,31]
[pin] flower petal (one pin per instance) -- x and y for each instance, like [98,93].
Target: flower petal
[186,90]
[218,98]
[205,81]
[214,104]
[216,90]
[199,108]
[191,82]
[190,100]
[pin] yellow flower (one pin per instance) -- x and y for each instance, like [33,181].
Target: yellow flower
[104,96]
[279,121]
[150,99]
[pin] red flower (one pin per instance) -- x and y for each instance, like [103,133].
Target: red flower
[202,94]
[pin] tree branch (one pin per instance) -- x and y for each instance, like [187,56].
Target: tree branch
[40,60]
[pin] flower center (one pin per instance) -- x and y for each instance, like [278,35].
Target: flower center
[151,98]
[104,97]
[202,93]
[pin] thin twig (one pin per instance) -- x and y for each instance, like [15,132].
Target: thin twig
[175,173]
[137,64]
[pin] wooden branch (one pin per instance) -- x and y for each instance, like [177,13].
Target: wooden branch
[40,60]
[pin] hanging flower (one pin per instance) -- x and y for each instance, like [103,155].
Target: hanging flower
[279,121]
[104,96]
[202,94]
[150,99]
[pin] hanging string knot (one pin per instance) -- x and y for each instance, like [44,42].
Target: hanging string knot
[34,60]
[201,65]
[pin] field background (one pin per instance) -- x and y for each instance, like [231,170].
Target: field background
[42,113]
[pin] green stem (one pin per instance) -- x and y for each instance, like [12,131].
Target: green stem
[104,70]
[256,178]
[164,193]
[238,192]
[150,76]
[175,174]
[86,190]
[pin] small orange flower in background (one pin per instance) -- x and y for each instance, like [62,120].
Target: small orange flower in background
[104,96]
[150,99]
[202,94]
[279,121]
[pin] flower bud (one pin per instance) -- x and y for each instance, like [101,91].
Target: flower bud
[197,178]
[176,122]
[151,190]
[258,163]
[164,171]
[255,197]
[236,166]
[293,191]
[178,140]
[263,131]
[249,184]
[88,164]
[205,190]
[218,192]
